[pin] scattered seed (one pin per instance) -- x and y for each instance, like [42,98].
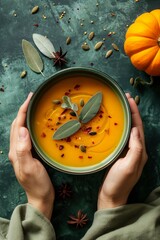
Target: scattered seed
[92,133]
[109,53]
[91,36]
[137,99]
[81,102]
[98,45]
[92,22]
[115,47]
[85,33]
[131,81]
[23,74]
[68,40]
[85,47]
[1,152]
[56,101]
[72,113]
[43,16]
[35,10]
[82,148]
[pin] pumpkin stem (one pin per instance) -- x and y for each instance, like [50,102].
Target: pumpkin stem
[158,41]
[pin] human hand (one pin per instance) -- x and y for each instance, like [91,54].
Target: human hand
[126,171]
[29,171]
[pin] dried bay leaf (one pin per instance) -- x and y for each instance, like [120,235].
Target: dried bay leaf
[91,108]
[44,45]
[32,57]
[67,129]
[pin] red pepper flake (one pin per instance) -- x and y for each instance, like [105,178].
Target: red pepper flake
[43,135]
[76,146]
[81,157]
[62,155]
[93,142]
[66,93]
[109,116]
[101,116]
[87,130]
[36,25]
[98,127]
[115,124]
[101,111]
[52,129]
[49,119]
[69,90]
[68,139]
[76,87]
[61,147]
[89,156]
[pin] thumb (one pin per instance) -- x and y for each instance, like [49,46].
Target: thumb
[23,148]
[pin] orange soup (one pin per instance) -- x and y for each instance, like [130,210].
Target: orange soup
[107,125]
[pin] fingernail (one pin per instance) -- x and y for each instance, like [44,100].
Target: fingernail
[22,134]
[30,94]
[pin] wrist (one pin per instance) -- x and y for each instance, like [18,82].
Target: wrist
[45,205]
[106,202]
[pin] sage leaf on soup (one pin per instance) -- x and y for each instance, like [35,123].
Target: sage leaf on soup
[44,45]
[32,57]
[67,129]
[91,108]
[68,104]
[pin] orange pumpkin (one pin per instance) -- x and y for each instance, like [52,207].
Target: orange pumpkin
[142,42]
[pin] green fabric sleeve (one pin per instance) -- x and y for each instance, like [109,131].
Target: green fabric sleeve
[26,223]
[132,221]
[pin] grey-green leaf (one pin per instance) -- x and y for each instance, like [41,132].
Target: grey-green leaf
[67,129]
[44,45]
[91,108]
[32,57]
[68,104]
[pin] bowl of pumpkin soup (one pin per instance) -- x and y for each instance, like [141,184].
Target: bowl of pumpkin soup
[79,120]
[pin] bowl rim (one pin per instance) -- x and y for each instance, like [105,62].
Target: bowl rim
[124,139]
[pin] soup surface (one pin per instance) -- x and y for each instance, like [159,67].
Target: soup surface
[108,124]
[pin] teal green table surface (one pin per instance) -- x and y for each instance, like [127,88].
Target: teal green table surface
[80,16]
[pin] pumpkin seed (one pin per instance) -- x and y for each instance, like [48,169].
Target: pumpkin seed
[131,81]
[85,47]
[56,101]
[35,10]
[109,53]
[137,99]
[92,133]
[23,74]
[98,45]
[72,113]
[91,36]
[68,40]
[82,148]
[115,47]
[81,102]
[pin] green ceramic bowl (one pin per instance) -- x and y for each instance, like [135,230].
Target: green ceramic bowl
[70,72]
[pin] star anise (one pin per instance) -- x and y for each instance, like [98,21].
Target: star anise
[80,220]
[59,57]
[64,191]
